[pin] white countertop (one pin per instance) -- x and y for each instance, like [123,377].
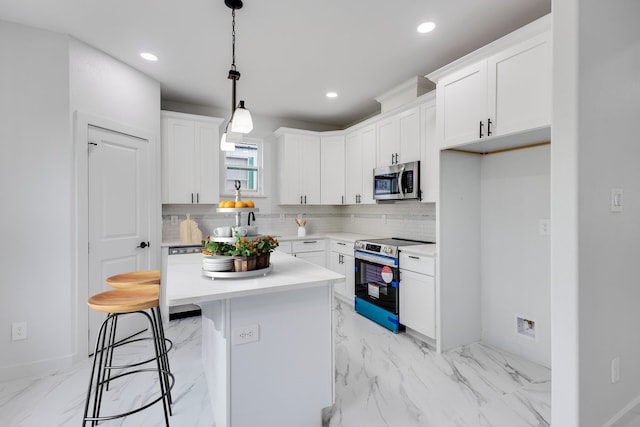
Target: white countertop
[429,249]
[186,285]
[336,235]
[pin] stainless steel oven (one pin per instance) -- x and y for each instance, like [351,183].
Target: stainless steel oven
[377,280]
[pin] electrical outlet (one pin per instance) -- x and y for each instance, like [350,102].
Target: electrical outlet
[384,219]
[353,218]
[18,331]
[615,370]
[281,217]
[544,227]
[526,327]
[174,219]
[245,334]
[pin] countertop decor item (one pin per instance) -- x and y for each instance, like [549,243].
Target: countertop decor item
[189,231]
[302,231]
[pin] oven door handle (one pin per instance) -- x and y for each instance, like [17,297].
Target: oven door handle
[401,181]
[377,259]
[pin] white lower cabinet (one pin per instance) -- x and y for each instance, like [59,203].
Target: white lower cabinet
[341,261]
[312,250]
[418,293]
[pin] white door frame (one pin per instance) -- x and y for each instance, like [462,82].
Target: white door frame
[80,216]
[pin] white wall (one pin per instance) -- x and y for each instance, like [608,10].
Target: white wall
[107,93]
[35,177]
[595,148]
[44,79]
[515,187]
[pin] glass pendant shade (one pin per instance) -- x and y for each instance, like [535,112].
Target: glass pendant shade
[241,121]
[226,146]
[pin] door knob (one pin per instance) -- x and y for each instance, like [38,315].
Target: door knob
[143,245]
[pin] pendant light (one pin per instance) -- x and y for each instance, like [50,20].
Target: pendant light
[241,121]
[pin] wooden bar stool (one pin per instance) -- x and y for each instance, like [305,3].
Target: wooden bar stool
[124,280]
[115,303]
[144,278]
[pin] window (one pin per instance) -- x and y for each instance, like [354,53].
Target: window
[244,164]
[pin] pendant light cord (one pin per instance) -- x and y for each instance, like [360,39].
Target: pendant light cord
[233,39]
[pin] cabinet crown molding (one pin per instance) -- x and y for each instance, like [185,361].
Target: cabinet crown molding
[530,30]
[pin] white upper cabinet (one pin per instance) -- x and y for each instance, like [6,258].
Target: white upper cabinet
[430,153]
[504,92]
[399,138]
[360,161]
[299,167]
[332,170]
[462,105]
[190,158]
[519,86]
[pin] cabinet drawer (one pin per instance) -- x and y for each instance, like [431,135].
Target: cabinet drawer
[345,248]
[310,245]
[419,263]
[285,247]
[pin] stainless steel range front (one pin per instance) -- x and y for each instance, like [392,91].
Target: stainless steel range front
[377,279]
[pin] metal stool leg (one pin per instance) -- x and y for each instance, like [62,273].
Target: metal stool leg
[102,363]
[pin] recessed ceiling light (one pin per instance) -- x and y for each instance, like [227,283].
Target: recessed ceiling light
[331,94]
[149,56]
[426,27]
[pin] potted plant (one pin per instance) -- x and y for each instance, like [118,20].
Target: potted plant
[264,246]
[245,252]
[215,248]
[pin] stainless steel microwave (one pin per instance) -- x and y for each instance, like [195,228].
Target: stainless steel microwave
[397,182]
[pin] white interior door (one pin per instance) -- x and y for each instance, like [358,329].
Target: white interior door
[118,216]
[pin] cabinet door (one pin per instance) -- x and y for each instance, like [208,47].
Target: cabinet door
[349,264]
[178,160]
[461,102]
[430,158]
[354,171]
[289,169]
[309,170]
[388,141]
[318,258]
[207,163]
[368,139]
[409,127]
[332,173]
[519,86]
[417,302]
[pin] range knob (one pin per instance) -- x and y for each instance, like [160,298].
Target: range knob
[387,250]
[359,245]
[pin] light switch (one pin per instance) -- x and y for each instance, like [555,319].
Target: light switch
[616,200]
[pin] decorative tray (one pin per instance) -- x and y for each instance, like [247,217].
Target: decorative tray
[232,240]
[237,210]
[237,274]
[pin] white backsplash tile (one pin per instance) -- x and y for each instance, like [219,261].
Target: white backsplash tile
[411,220]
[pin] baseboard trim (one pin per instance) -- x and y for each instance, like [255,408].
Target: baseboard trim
[35,369]
[627,408]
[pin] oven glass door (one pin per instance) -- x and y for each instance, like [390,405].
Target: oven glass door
[377,283]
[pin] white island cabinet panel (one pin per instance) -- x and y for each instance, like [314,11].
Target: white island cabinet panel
[284,374]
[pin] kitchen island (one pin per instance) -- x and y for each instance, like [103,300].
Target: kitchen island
[267,341]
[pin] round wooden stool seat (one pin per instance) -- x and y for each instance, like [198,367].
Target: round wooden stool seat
[124,280]
[125,300]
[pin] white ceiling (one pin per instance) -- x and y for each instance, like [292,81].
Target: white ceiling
[290,52]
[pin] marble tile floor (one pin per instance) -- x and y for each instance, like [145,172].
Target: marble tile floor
[382,379]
